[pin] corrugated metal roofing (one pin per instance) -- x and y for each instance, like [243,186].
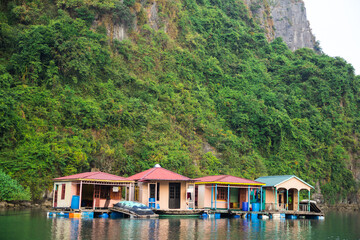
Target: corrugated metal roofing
[226,179]
[158,173]
[273,181]
[92,176]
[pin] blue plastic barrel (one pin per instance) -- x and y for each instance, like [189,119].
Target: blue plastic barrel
[151,200]
[75,202]
[256,207]
[245,206]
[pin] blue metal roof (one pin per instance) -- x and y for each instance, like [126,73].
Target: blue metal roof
[273,181]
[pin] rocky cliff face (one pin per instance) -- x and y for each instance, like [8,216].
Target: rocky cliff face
[283,18]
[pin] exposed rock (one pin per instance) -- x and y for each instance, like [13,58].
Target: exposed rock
[283,18]
[317,196]
[291,23]
[25,204]
[47,204]
[3,204]
[116,31]
[153,17]
[261,12]
[10,205]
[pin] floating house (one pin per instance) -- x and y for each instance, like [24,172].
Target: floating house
[283,193]
[226,192]
[163,189]
[90,190]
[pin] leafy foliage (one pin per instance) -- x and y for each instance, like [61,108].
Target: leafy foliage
[11,190]
[204,94]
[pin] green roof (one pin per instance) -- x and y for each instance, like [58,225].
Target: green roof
[273,181]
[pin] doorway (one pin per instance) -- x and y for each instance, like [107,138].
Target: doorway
[174,195]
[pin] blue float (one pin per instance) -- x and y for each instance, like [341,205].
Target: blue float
[256,207]
[87,214]
[115,215]
[245,206]
[104,215]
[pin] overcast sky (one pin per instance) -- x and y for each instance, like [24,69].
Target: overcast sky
[336,24]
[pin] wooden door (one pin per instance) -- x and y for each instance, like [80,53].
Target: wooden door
[56,196]
[174,195]
[97,191]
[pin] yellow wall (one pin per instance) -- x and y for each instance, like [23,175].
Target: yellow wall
[293,183]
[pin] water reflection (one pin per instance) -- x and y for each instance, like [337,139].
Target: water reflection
[176,228]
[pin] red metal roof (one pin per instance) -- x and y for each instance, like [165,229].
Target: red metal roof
[101,176]
[158,173]
[227,179]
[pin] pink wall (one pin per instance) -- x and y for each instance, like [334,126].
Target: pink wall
[204,197]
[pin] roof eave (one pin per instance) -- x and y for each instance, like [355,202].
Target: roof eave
[230,183]
[91,180]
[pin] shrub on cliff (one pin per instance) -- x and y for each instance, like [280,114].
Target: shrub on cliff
[11,190]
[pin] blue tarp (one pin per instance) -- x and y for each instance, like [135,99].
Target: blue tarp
[135,207]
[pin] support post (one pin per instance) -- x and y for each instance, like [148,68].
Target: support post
[54,195]
[216,195]
[80,194]
[228,198]
[212,195]
[276,205]
[287,199]
[248,198]
[126,193]
[309,202]
[130,191]
[298,200]
[261,198]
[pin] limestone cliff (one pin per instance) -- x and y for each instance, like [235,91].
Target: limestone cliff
[283,18]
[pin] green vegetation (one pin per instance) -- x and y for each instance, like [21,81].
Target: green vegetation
[207,96]
[11,190]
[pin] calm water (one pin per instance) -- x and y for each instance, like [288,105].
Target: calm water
[35,225]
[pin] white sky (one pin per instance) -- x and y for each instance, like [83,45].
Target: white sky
[336,24]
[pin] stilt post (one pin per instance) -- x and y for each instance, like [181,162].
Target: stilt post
[276,206]
[80,194]
[298,200]
[212,195]
[309,202]
[261,198]
[287,199]
[228,198]
[216,195]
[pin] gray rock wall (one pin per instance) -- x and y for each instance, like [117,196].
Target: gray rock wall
[283,18]
[291,23]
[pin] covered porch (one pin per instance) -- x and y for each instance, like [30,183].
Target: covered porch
[283,193]
[227,192]
[91,190]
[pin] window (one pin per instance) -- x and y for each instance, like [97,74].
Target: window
[158,192]
[105,192]
[63,191]
[78,189]
[136,197]
[222,194]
